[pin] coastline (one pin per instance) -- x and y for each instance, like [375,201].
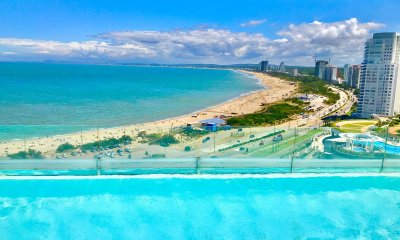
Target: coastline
[274,89]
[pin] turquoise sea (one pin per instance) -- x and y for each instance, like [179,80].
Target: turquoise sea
[40,99]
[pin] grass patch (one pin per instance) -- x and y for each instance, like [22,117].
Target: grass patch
[30,154]
[164,140]
[272,114]
[193,133]
[312,85]
[111,142]
[353,126]
[65,147]
[158,139]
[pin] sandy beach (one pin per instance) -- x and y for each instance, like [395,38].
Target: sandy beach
[275,90]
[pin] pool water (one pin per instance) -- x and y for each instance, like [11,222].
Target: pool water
[201,208]
[391,149]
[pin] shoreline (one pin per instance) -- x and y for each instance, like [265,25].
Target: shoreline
[247,73]
[273,89]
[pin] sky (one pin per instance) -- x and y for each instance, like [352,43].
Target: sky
[219,32]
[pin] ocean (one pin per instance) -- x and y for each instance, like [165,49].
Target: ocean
[41,99]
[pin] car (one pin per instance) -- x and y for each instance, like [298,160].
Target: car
[128,150]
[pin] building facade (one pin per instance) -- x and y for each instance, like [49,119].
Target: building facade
[263,66]
[320,68]
[380,76]
[347,74]
[330,73]
[352,75]
[282,67]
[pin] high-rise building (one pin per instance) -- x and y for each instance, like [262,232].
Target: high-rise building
[330,73]
[282,67]
[352,75]
[347,74]
[355,79]
[263,66]
[380,76]
[320,68]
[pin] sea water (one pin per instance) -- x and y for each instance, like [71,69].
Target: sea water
[201,208]
[39,99]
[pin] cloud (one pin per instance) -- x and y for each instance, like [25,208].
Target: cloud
[253,23]
[193,44]
[74,50]
[342,41]
[7,53]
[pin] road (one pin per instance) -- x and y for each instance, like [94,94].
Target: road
[341,107]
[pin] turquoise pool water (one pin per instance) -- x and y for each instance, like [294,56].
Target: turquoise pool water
[391,149]
[201,208]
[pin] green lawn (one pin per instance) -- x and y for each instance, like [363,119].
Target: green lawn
[353,126]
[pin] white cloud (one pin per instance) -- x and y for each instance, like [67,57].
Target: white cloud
[343,41]
[193,44]
[253,23]
[75,50]
[7,53]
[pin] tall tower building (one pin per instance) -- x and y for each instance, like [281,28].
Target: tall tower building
[263,66]
[282,67]
[320,68]
[380,76]
[330,73]
[347,74]
[355,76]
[352,75]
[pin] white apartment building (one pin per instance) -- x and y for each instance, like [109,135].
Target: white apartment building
[352,75]
[380,76]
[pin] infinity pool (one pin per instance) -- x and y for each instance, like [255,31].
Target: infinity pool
[391,149]
[228,207]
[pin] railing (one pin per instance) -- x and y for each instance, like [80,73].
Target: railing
[183,150]
[191,166]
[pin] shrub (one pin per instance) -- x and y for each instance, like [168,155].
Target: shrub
[164,140]
[65,147]
[30,154]
[194,133]
[112,142]
[275,113]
